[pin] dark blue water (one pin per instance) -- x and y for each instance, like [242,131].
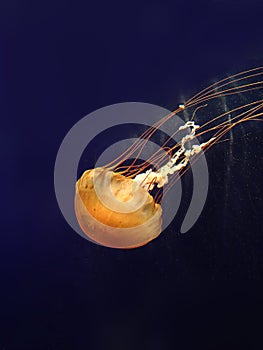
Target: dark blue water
[62,60]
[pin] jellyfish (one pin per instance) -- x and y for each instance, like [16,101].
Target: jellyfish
[120,205]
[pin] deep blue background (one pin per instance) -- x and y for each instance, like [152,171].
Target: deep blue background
[61,60]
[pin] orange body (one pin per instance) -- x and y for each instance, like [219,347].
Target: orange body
[115,211]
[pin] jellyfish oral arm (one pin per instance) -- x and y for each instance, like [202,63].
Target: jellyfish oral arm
[149,179]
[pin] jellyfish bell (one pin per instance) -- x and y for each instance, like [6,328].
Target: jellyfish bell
[115,211]
[114,204]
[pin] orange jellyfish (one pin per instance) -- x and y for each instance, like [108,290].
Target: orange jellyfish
[115,205]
